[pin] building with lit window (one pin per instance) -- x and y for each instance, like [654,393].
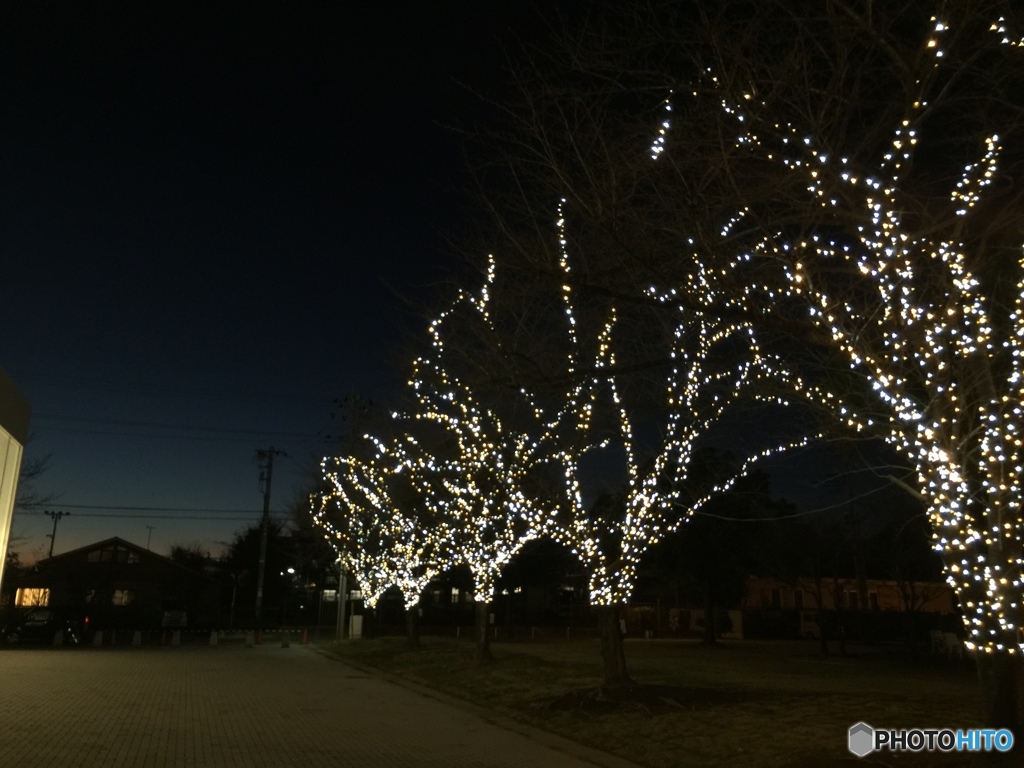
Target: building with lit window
[119,586]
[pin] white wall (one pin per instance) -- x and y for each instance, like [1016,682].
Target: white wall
[10,465]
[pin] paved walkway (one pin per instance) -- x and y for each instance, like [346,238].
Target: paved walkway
[231,706]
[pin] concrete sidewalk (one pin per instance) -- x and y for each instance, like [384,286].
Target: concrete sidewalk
[220,707]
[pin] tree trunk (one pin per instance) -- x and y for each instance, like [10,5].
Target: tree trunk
[510,616]
[1001,676]
[822,632]
[910,635]
[412,627]
[482,627]
[612,649]
[709,616]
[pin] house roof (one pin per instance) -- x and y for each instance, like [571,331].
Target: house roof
[72,554]
[99,544]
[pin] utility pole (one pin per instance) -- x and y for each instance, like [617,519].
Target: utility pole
[266,474]
[149,537]
[56,519]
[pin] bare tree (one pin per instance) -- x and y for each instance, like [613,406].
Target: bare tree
[715,365]
[898,227]
[852,166]
[379,528]
[482,467]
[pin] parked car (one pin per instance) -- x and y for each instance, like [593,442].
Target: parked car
[41,626]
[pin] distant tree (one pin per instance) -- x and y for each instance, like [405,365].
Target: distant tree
[480,447]
[710,558]
[191,556]
[30,497]
[905,555]
[240,564]
[544,568]
[315,560]
[379,528]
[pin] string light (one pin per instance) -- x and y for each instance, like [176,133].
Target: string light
[656,500]
[382,542]
[949,375]
[922,341]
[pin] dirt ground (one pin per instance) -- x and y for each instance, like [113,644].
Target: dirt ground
[741,703]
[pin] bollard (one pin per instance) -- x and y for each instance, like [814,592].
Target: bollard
[285,642]
[249,639]
[176,637]
[213,637]
[97,639]
[305,637]
[137,637]
[58,637]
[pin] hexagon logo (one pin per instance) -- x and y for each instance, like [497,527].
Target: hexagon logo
[862,739]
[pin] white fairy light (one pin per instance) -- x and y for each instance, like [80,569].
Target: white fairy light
[923,340]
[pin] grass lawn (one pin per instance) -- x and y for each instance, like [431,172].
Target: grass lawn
[748,703]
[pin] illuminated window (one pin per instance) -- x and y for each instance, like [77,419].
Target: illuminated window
[123,596]
[32,596]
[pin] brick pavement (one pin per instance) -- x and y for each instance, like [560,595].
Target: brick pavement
[227,706]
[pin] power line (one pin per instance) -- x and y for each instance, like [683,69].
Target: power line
[309,439]
[161,513]
[109,385]
[279,515]
[161,425]
[111,507]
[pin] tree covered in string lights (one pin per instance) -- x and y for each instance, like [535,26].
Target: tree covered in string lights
[482,451]
[377,526]
[897,228]
[858,160]
[715,365]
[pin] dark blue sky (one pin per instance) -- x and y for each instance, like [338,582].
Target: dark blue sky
[204,218]
[204,215]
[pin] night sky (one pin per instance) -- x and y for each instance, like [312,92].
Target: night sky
[208,222]
[207,217]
